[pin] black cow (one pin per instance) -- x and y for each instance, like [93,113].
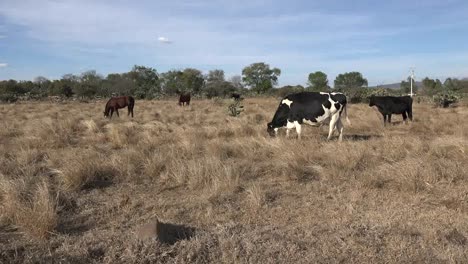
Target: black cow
[184,98]
[311,108]
[236,96]
[388,105]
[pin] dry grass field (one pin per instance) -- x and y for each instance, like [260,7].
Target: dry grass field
[75,187]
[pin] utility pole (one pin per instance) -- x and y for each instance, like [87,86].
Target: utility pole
[411,81]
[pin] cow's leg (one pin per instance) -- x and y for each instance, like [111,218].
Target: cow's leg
[405,117]
[339,126]
[410,114]
[111,112]
[384,119]
[117,111]
[298,129]
[333,120]
[390,119]
[289,126]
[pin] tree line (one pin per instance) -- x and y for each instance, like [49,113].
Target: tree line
[258,78]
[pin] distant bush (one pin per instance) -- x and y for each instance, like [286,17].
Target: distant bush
[446,98]
[358,94]
[8,98]
[218,101]
[286,90]
[378,92]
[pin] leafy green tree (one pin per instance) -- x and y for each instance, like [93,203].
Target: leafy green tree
[218,89]
[405,86]
[172,82]
[42,85]
[429,83]
[259,77]
[318,82]
[146,80]
[289,89]
[10,90]
[193,80]
[431,86]
[89,85]
[12,87]
[119,85]
[354,85]
[25,87]
[69,83]
[215,76]
[452,85]
[216,85]
[350,80]
[55,88]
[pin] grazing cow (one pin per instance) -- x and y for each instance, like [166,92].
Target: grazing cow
[236,96]
[311,108]
[388,105]
[184,98]
[119,102]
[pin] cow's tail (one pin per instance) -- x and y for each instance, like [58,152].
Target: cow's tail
[346,114]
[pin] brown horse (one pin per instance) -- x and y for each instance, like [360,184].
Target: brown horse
[119,102]
[184,98]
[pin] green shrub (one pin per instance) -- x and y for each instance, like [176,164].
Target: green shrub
[235,109]
[445,99]
[8,98]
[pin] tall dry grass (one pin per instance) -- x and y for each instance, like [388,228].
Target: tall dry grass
[31,209]
[82,184]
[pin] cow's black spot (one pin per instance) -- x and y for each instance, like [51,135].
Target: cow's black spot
[327,104]
[337,106]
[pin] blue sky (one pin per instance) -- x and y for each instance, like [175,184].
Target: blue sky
[381,39]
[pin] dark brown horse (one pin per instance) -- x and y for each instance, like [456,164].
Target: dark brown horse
[119,102]
[184,98]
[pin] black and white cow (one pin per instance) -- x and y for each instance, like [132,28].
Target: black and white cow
[310,108]
[388,105]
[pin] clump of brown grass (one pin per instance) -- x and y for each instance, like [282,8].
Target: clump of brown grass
[91,126]
[120,135]
[204,173]
[59,132]
[32,209]
[92,170]
[255,196]
[154,166]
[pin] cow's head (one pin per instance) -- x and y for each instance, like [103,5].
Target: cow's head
[271,129]
[371,101]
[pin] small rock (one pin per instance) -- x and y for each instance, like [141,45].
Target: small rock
[150,230]
[164,232]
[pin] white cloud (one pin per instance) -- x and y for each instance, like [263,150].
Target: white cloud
[164,40]
[2,36]
[3,65]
